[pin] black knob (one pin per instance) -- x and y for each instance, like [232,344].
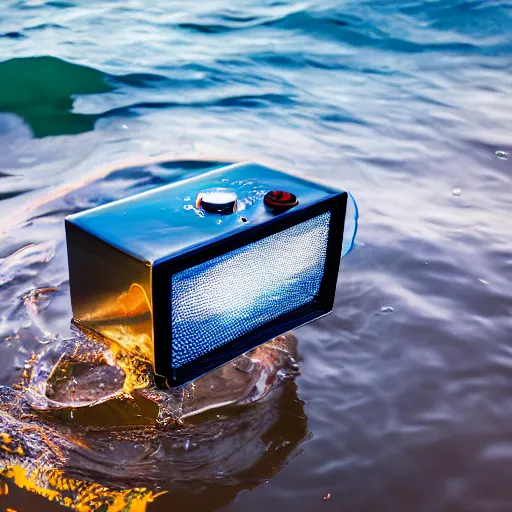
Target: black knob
[221,201]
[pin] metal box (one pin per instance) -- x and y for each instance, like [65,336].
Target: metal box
[190,286]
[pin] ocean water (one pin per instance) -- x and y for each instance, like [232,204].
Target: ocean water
[404,399]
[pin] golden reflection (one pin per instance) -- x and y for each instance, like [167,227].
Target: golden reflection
[127,320]
[131,352]
[34,456]
[129,305]
[77,494]
[124,322]
[124,313]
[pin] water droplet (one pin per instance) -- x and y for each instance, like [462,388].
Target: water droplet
[327,496]
[124,127]
[456,191]
[387,309]
[502,155]
[102,385]
[186,198]
[187,445]
[483,281]
[198,211]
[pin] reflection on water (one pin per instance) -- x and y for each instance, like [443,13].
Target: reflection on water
[74,437]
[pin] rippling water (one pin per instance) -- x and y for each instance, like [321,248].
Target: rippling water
[408,104]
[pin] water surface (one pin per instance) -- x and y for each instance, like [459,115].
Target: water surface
[408,104]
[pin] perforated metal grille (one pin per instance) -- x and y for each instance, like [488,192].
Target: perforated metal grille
[224,298]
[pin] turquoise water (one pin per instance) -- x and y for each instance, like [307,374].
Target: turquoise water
[407,104]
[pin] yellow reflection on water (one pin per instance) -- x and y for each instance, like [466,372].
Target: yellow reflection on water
[132,353]
[77,494]
[31,459]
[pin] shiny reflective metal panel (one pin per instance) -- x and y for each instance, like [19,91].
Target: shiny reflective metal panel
[111,292]
[148,271]
[161,223]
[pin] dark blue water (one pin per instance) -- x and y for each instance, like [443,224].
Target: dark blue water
[407,104]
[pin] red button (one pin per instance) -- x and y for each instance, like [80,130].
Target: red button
[280,200]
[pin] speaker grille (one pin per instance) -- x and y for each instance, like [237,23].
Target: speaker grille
[231,295]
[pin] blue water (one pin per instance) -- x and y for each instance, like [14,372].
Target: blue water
[407,104]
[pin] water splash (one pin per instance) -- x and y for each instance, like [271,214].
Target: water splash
[84,371]
[70,418]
